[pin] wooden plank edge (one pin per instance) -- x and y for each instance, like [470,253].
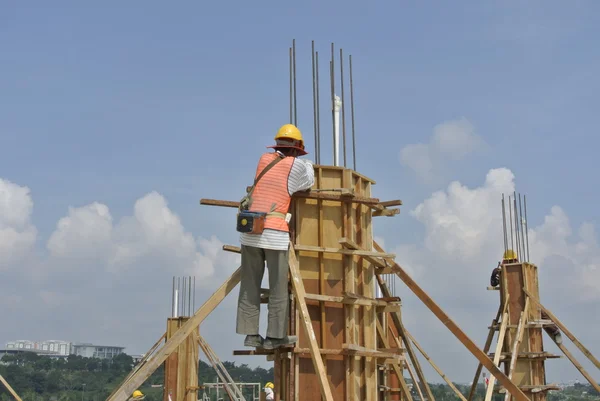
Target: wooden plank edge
[456,331]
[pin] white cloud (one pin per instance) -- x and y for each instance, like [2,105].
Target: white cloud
[17,234]
[451,141]
[88,240]
[106,274]
[87,235]
[463,229]
[461,245]
[462,222]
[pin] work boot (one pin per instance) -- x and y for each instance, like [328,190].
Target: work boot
[272,343]
[254,341]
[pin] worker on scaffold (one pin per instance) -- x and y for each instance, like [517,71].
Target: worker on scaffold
[263,221]
[511,256]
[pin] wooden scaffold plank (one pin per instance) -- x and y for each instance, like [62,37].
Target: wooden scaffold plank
[10,389]
[137,379]
[299,292]
[564,329]
[232,390]
[142,362]
[434,366]
[398,323]
[501,334]
[575,363]
[486,348]
[395,366]
[411,354]
[454,329]
[564,349]
[517,342]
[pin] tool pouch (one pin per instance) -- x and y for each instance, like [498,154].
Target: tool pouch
[253,222]
[250,222]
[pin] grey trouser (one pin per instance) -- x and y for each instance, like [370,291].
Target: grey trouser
[253,270]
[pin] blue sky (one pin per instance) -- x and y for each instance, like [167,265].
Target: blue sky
[108,102]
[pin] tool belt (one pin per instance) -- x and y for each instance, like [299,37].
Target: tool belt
[254,222]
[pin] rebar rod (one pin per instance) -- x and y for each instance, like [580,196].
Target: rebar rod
[291,90]
[352,112]
[295,104]
[343,105]
[526,229]
[512,246]
[314,93]
[318,109]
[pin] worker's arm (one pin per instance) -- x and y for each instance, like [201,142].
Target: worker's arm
[302,176]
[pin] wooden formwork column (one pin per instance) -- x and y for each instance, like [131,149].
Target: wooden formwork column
[341,328]
[529,370]
[181,367]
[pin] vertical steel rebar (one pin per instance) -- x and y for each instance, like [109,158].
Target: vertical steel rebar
[512,244]
[332,79]
[521,226]
[318,109]
[291,91]
[343,105]
[314,92]
[517,234]
[178,296]
[526,229]
[183,295]
[352,112]
[295,108]
[504,225]
[190,296]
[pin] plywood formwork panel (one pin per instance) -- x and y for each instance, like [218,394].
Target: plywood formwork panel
[394,380]
[528,372]
[181,367]
[322,223]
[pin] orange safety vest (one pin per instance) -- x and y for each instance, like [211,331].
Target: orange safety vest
[271,193]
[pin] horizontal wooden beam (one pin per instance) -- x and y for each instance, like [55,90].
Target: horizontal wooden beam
[527,355]
[395,202]
[345,251]
[348,299]
[348,350]
[533,388]
[301,195]
[385,212]
[348,243]
[231,248]
[341,251]
[358,350]
[218,202]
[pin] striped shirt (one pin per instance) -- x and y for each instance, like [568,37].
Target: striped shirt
[301,178]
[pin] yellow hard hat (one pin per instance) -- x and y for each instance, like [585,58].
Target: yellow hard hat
[269,385]
[509,254]
[138,395]
[289,136]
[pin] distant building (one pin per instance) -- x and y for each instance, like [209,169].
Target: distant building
[65,348]
[20,351]
[96,351]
